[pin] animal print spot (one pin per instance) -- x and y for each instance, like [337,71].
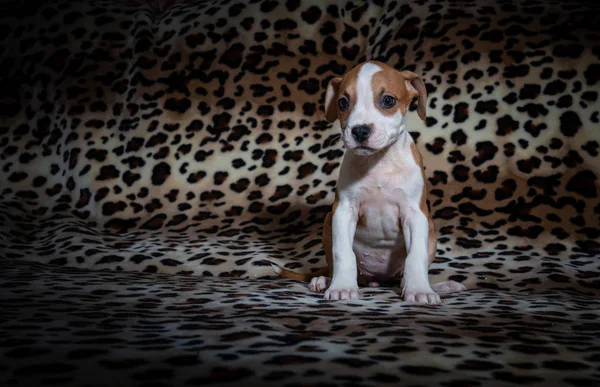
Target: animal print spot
[564,102]
[196,177]
[293,155]
[592,74]
[437,147]
[451,92]
[489,175]
[534,110]
[517,379]
[262,180]
[350,53]
[534,129]
[478,365]
[506,191]
[591,147]
[285,24]
[555,87]
[483,107]
[269,158]
[450,66]
[287,106]
[439,177]
[530,91]
[510,98]
[330,45]
[461,173]
[349,33]
[590,96]
[265,110]
[570,123]
[130,178]
[233,57]
[506,125]
[546,73]
[409,30]
[458,137]
[573,51]
[305,170]
[160,173]
[108,172]
[564,365]
[528,165]
[517,71]
[572,159]
[529,232]
[211,195]
[220,375]
[470,57]
[486,151]
[154,223]
[584,184]
[110,208]
[311,86]
[567,74]
[461,112]
[311,15]
[17,176]
[178,105]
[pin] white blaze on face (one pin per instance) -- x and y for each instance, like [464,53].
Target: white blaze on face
[384,128]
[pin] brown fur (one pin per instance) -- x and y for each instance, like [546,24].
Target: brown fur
[342,86]
[391,83]
[332,110]
[416,82]
[402,85]
[432,242]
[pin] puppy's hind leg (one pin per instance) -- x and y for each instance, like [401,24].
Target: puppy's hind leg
[321,283]
[448,287]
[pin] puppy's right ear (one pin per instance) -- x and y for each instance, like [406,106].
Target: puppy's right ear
[331,107]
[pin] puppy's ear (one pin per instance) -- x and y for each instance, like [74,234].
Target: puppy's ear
[415,86]
[331,107]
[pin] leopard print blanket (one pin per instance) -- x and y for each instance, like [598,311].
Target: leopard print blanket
[158,156]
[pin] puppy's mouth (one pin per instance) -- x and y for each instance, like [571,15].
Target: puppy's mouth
[362,150]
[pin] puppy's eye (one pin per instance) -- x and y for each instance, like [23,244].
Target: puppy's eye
[388,102]
[343,103]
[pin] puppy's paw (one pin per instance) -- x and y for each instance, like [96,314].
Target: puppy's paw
[341,293]
[448,286]
[422,296]
[319,284]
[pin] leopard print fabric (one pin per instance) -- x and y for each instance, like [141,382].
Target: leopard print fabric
[190,140]
[130,329]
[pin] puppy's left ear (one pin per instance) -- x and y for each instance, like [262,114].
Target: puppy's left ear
[331,108]
[415,86]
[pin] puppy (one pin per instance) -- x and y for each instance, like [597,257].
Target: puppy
[380,226]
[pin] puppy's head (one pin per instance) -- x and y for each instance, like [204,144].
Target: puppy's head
[371,102]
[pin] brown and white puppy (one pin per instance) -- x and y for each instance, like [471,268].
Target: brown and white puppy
[380,226]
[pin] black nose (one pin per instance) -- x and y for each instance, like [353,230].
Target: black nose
[361,132]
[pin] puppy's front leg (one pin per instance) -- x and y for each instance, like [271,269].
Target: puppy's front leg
[344,283]
[415,227]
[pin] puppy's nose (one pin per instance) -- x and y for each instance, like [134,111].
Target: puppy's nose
[361,132]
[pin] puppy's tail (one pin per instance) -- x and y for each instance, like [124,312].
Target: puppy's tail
[305,277]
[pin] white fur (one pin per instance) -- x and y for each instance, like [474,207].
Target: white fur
[344,283]
[384,188]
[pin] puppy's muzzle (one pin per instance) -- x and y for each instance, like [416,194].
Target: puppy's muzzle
[361,132]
